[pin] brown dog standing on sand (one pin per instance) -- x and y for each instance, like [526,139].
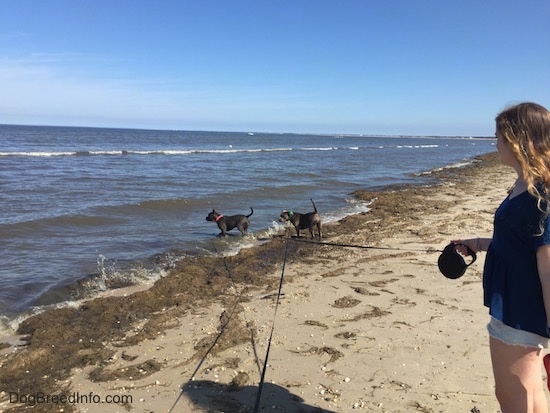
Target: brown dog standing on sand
[227,223]
[303,221]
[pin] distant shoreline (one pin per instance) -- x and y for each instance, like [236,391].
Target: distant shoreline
[336,134]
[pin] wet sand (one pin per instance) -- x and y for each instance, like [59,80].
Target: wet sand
[364,322]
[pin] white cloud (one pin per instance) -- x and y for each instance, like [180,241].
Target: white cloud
[49,89]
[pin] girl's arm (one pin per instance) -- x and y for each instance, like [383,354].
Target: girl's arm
[475,244]
[543,265]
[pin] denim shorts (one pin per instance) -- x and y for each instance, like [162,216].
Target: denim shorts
[514,337]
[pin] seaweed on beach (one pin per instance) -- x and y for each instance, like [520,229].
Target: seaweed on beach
[59,340]
[313,350]
[346,302]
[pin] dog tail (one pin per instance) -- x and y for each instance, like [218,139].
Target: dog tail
[252,211]
[314,207]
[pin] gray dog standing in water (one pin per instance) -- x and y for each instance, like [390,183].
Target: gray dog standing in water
[230,222]
[303,221]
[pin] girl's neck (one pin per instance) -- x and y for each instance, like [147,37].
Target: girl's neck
[519,187]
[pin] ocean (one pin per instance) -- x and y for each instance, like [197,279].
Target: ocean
[84,209]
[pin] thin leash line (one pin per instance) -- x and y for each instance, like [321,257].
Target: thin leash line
[262,379]
[203,359]
[335,244]
[222,331]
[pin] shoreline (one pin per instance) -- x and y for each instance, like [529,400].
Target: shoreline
[357,328]
[86,288]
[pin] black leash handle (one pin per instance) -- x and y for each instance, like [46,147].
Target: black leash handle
[471,253]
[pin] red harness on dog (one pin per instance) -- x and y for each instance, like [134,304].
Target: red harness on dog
[219,217]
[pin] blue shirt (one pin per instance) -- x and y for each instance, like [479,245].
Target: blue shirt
[511,284]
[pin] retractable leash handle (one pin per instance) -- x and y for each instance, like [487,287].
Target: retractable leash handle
[451,263]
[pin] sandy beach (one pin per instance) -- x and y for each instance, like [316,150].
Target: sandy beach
[364,322]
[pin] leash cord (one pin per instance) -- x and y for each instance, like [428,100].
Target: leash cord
[262,379]
[335,244]
[221,332]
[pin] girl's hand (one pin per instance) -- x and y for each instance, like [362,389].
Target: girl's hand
[461,244]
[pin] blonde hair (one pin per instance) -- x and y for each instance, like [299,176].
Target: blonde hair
[526,128]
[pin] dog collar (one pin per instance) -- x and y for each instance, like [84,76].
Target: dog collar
[290,214]
[219,217]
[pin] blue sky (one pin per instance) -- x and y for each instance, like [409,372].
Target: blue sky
[410,67]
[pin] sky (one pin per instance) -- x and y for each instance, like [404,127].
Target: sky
[386,67]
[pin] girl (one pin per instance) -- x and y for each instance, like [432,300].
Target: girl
[516,276]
